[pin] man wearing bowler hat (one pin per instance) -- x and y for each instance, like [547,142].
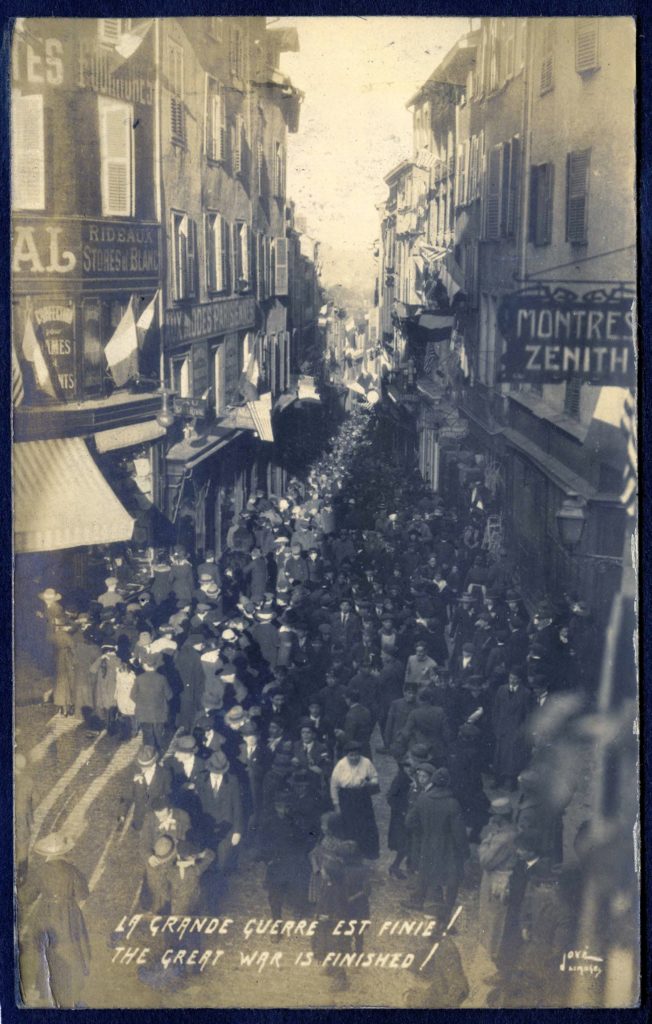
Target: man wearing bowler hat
[219,794]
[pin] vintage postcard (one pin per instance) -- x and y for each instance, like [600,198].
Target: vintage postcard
[325,512]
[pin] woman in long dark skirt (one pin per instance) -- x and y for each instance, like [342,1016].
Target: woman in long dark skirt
[353,782]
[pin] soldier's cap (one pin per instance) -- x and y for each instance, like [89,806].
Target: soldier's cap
[425,766]
[441,777]
[146,755]
[56,844]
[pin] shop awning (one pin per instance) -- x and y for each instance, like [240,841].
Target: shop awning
[62,500]
[128,437]
[192,452]
[284,401]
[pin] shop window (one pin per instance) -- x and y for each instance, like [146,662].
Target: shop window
[546,77]
[542,182]
[27,152]
[217,253]
[93,361]
[578,166]
[117,157]
[184,256]
[180,368]
[215,121]
[586,45]
[177,94]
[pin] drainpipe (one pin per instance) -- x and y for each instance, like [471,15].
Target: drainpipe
[158,190]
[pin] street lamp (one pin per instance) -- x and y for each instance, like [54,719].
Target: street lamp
[165,417]
[571,520]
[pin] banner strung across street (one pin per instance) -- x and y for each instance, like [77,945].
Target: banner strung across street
[552,335]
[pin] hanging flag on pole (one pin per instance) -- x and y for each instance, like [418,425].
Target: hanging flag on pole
[129,42]
[430,358]
[146,318]
[250,377]
[122,350]
[33,353]
[629,495]
[17,386]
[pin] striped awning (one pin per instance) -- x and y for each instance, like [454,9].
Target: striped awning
[62,500]
[261,414]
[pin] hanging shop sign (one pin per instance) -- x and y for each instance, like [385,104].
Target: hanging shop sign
[553,334]
[56,322]
[190,408]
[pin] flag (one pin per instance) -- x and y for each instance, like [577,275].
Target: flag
[261,414]
[17,386]
[249,378]
[452,276]
[146,318]
[629,494]
[435,327]
[129,42]
[33,352]
[122,350]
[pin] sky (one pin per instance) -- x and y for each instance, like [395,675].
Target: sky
[357,75]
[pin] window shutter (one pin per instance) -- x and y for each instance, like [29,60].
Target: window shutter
[492,211]
[192,258]
[577,189]
[28,152]
[509,30]
[236,150]
[115,152]
[586,44]
[505,183]
[236,255]
[245,254]
[224,261]
[514,188]
[110,30]
[541,203]
[547,58]
[288,358]
[211,252]
[281,266]
[260,157]
[177,108]
[215,120]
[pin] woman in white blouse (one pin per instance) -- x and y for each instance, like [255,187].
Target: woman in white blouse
[353,783]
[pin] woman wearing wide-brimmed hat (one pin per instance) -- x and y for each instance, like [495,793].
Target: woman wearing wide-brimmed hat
[60,936]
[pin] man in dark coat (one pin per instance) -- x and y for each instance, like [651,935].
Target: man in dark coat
[189,666]
[358,723]
[465,766]
[390,686]
[151,781]
[427,724]
[333,700]
[397,716]
[444,848]
[151,693]
[163,820]
[345,624]
[219,794]
[512,705]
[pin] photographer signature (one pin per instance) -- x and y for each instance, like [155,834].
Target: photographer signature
[580,961]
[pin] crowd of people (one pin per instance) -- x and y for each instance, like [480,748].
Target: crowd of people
[358,618]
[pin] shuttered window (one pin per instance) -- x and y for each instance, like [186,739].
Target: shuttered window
[217,253]
[493,193]
[461,173]
[236,52]
[116,156]
[242,255]
[572,398]
[279,171]
[542,180]
[586,45]
[260,167]
[280,259]
[27,152]
[494,55]
[237,143]
[215,121]
[109,30]
[578,165]
[184,256]
[514,196]
[547,57]
[509,46]
[177,101]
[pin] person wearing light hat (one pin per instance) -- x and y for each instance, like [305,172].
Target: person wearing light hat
[209,567]
[111,597]
[219,794]
[437,816]
[58,926]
